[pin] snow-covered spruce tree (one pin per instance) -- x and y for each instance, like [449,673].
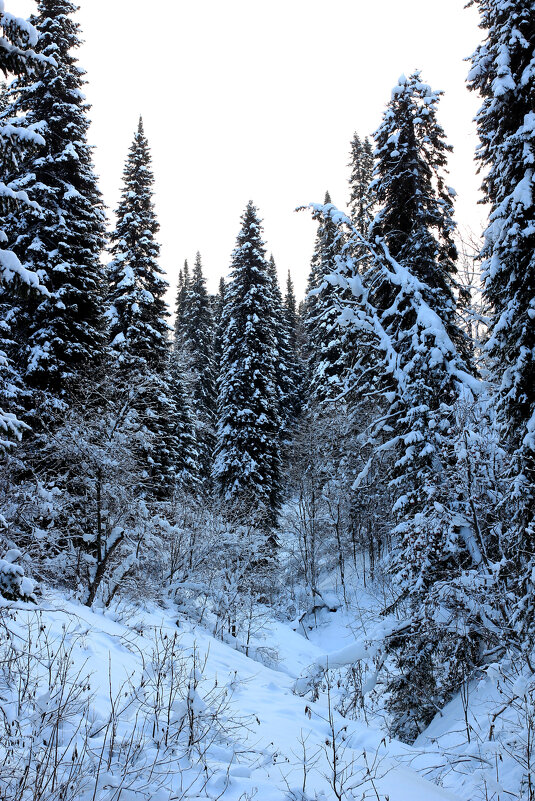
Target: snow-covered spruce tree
[352,351]
[293,330]
[60,334]
[504,73]
[247,465]
[138,328]
[181,293]
[290,314]
[323,482]
[405,401]
[19,139]
[217,311]
[319,319]
[403,308]
[195,339]
[415,224]
[361,164]
[283,376]
[415,216]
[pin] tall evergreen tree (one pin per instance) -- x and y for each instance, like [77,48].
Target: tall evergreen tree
[283,376]
[62,333]
[359,183]
[196,332]
[180,304]
[415,215]
[351,350]
[218,306]
[18,140]
[138,312]
[319,316]
[295,367]
[290,313]
[412,287]
[139,332]
[503,74]
[409,377]
[247,466]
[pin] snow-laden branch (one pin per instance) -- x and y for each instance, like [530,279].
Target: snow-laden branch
[11,267]
[427,323]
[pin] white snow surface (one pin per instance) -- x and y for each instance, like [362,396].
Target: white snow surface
[261,758]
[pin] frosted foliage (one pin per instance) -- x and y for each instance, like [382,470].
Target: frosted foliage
[393,298]
[17,139]
[503,73]
[420,410]
[14,585]
[194,350]
[60,234]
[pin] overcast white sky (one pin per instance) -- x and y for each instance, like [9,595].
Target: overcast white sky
[246,99]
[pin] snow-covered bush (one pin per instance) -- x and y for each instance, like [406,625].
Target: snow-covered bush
[157,735]
[74,499]
[14,585]
[217,572]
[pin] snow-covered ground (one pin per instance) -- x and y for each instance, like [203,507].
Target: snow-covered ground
[154,707]
[263,726]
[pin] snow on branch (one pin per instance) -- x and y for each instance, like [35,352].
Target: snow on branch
[10,268]
[411,289]
[22,25]
[28,135]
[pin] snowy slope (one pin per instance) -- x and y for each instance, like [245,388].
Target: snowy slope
[256,750]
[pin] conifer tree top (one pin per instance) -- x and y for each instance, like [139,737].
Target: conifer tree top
[137,286]
[409,187]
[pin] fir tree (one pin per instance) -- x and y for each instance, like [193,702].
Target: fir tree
[18,140]
[62,333]
[415,215]
[195,329]
[138,328]
[319,317]
[247,466]
[218,306]
[503,74]
[180,304]
[359,183]
[293,335]
[352,350]
[283,376]
[138,312]
[290,314]
[414,289]
[409,377]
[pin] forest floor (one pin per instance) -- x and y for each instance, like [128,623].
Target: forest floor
[168,711]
